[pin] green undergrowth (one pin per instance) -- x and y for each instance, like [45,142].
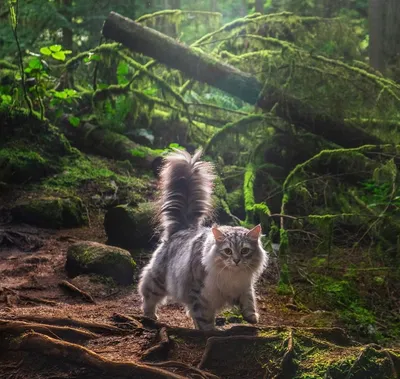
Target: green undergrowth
[345,290]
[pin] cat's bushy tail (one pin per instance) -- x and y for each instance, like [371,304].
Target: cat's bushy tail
[186,189]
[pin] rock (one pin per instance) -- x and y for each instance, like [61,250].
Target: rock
[19,166]
[50,212]
[92,257]
[130,227]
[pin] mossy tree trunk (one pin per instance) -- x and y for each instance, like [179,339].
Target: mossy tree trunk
[194,63]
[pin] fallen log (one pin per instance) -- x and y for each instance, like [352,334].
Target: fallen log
[94,139]
[207,69]
[192,62]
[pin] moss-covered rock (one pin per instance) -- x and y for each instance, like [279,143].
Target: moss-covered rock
[130,227]
[50,212]
[92,257]
[19,166]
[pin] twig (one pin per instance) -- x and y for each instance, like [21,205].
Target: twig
[75,290]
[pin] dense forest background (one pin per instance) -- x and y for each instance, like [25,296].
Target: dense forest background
[295,101]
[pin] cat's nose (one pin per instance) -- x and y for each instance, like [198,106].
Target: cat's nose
[236,260]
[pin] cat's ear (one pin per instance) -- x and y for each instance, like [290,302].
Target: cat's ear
[218,235]
[254,233]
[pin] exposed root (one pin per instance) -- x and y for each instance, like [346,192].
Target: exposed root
[8,327]
[188,369]
[75,290]
[29,299]
[125,321]
[237,353]
[83,357]
[24,241]
[334,335]
[160,351]
[94,327]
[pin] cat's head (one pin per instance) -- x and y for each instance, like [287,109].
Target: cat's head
[238,248]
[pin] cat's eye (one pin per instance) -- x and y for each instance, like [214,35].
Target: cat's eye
[228,251]
[245,251]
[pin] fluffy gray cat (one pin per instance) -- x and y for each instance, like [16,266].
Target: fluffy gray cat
[203,268]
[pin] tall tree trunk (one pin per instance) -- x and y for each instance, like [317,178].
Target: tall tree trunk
[213,6]
[259,6]
[176,4]
[243,8]
[391,32]
[67,33]
[376,33]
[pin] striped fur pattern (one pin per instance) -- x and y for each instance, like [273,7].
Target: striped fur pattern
[206,269]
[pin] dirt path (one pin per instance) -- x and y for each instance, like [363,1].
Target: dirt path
[31,296]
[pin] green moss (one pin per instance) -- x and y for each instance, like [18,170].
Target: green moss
[77,173]
[51,212]
[18,166]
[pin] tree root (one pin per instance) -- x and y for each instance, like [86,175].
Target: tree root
[9,327]
[29,299]
[160,351]
[187,368]
[127,321]
[75,290]
[83,357]
[94,327]
[194,333]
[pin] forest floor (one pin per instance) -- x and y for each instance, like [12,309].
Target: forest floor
[51,333]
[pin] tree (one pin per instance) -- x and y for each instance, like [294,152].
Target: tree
[384,34]
[259,6]
[376,30]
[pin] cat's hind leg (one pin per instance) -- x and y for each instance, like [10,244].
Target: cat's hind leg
[152,290]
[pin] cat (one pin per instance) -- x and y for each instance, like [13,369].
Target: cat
[204,268]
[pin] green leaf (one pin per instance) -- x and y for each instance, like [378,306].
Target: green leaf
[28,70]
[70,92]
[7,99]
[66,52]
[60,94]
[74,121]
[55,48]
[35,63]
[59,55]
[45,51]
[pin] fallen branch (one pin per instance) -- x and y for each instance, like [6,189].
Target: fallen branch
[75,290]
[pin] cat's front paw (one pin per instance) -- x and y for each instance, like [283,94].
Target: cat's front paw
[252,319]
